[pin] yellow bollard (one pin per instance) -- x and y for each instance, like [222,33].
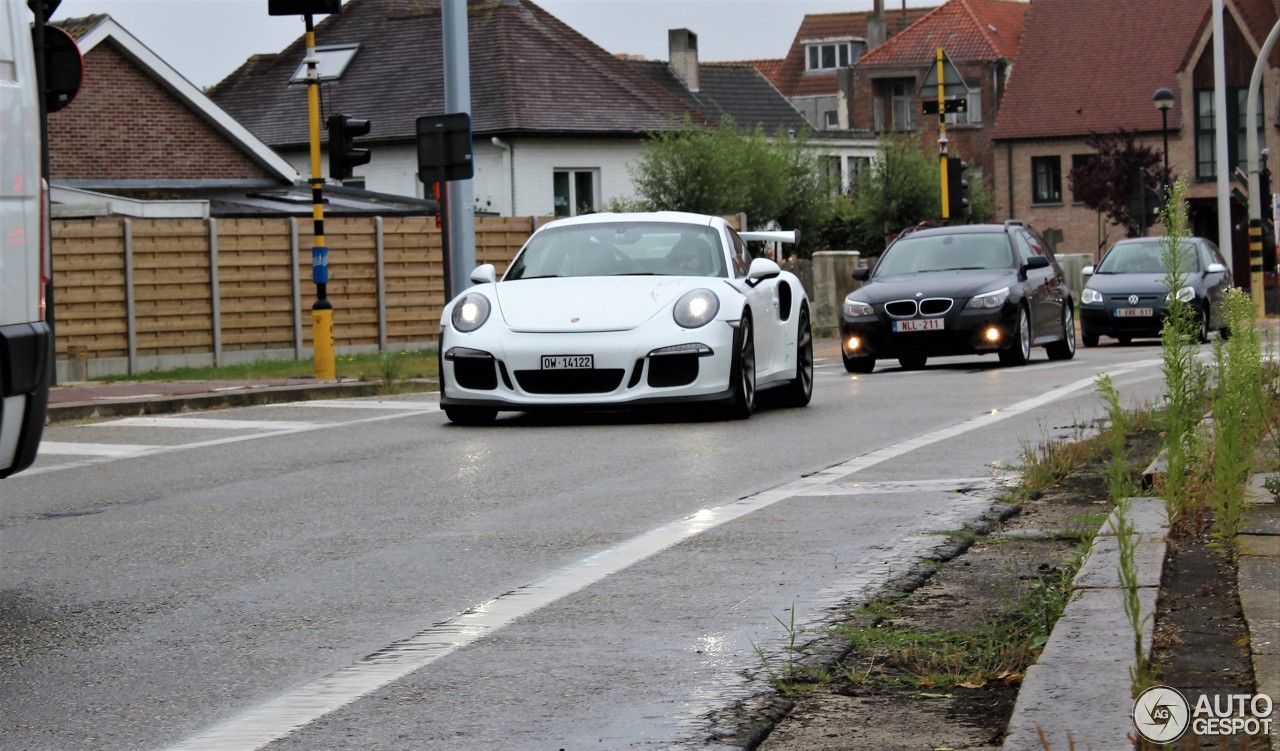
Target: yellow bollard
[322,333]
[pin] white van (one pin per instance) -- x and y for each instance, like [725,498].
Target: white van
[26,344]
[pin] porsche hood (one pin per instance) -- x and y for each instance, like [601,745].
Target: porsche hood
[583,304]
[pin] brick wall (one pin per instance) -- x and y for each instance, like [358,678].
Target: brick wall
[124,125]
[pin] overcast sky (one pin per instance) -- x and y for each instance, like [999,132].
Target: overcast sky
[205,40]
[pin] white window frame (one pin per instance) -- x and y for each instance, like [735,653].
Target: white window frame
[841,51]
[574,203]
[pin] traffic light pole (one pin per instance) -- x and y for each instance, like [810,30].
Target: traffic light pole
[321,309]
[942,139]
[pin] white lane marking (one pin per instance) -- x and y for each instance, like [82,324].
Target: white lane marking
[301,427]
[353,404]
[117,450]
[268,722]
[953,485]
[202,422]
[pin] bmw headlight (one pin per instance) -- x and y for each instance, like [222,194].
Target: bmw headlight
[697,307]
[470,312]
[989,299]
[1186,294]
[1089,296]
[857,308]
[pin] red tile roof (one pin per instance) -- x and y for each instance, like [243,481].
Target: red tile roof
[1092,65]
[968,30]
[791,78]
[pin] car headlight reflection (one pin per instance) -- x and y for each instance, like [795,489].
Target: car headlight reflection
[1089,296]
[989,299]
[857,308]
[470,312]
[1186,294]
[695,308]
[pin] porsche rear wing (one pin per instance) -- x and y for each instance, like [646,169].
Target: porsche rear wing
[775,236]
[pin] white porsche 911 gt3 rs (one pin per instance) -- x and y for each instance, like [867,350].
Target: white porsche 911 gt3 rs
[624,311]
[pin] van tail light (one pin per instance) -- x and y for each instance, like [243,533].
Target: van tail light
[46,248]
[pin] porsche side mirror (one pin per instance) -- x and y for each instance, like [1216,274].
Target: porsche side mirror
[485,273]
[1087,271]
[761,269]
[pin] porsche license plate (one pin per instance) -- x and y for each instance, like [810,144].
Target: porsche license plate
[919,324]
[1133,312]
[568,362]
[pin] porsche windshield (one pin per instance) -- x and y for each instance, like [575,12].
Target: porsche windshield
[968,250]
[1145,258]
[620,249]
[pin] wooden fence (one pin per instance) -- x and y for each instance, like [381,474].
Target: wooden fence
[132,295]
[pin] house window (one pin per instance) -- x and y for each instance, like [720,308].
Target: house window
[903,101]
[575,192]
[831,119]
[1046,179]
[827,56]
[331,62]
[1206,130]
[973,114]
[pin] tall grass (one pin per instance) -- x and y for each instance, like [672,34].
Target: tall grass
[1184,376]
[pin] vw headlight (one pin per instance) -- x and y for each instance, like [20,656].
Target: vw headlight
[470,312]
[989,299]
[857,308]
[695,308]
[1186,294]
[1089,296]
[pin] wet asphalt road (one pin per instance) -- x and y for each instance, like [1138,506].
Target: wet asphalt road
[362,574]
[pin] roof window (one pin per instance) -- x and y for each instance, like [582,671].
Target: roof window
[331,62]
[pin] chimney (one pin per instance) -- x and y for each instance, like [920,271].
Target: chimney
[876,32]
[682,46]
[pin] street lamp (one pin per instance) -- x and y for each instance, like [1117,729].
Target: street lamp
[1163,99]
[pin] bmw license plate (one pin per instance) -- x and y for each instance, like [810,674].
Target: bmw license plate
[919,324]
[1133,312]
[568,362]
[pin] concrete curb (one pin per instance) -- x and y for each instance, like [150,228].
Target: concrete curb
[171,404]
[1079,692]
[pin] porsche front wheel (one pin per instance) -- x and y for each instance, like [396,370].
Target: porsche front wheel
[743,372]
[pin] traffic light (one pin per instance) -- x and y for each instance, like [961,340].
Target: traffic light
[957,190]
[343,156]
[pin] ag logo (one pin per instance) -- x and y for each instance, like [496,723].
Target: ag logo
[1161,714]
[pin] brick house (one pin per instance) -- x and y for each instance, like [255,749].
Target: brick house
[825,44]
[1120,55]
[138,125]
[980,37]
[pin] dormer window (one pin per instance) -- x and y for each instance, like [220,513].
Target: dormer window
[832,55]
[331,62]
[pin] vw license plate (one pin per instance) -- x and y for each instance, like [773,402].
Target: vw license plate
[1133,312]
[918,324]
[568,362]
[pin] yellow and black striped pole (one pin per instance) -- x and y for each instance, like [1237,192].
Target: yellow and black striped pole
[321,310]
[942,139]
[1255,269]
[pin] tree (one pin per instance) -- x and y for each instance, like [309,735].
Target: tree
[725,170]
[899,190]
[1121,171]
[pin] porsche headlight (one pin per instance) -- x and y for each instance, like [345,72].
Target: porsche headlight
[695,308]
[1186,294]
[857,308]
[470,312]
[1089,296]
[989,299]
